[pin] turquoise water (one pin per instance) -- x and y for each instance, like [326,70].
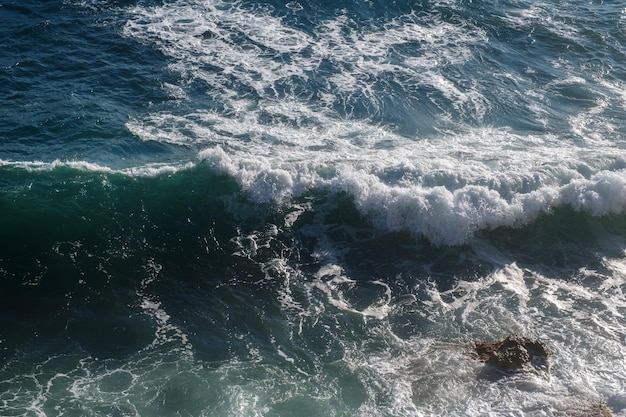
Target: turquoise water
[213,208]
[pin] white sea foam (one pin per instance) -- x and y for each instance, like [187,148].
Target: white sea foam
[279,140]
[249,47]
[420,186]
[147,170]
[449,210]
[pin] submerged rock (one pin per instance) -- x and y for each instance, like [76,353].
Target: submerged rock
[584,407]
[514,354]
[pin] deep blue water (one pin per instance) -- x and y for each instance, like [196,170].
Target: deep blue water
[213,208]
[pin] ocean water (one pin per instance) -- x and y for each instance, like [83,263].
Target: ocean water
[310,208]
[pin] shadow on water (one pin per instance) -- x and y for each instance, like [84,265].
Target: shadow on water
[74,250]
[558,243]
[562,242]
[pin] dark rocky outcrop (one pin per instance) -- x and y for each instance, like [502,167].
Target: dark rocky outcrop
[514,354]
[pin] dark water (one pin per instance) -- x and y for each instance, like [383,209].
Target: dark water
[214,208]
